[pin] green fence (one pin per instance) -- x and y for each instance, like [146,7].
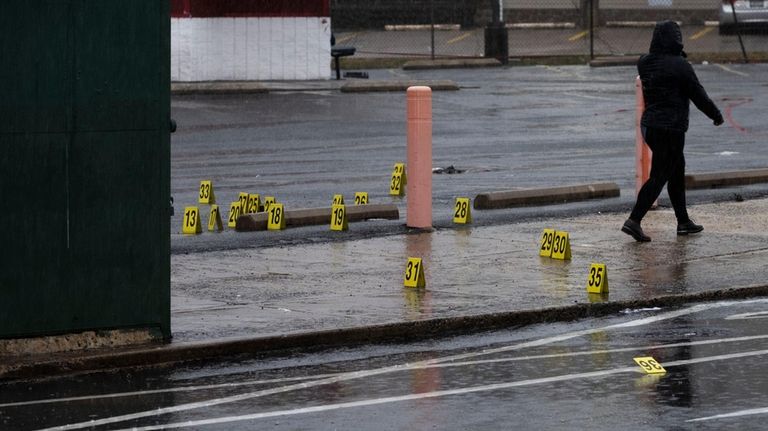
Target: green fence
[84,166]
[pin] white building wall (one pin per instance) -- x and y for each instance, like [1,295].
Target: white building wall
[261,49]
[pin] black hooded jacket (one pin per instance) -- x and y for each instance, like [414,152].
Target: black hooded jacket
[669,82]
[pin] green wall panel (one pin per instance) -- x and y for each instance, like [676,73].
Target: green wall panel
[84,166]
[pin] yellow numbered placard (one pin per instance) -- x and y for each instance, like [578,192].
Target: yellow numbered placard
[597,281]
[214,219]
[338,200]
[243,199]
[191,221]
[339,220]
[414,273]
[547,240]
[400,169]
[396,185]
[361,198]
[254,203]
[206,195]
[650,365]
[234,212]
[561,246]
[275,216]
[269,201]
[462,212]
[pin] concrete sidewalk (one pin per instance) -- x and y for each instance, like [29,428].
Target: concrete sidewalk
[251,301]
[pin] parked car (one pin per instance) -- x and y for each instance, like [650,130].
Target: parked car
[750,15]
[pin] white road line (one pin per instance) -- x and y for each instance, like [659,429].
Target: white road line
[728,69]
[741,413]
[167,390]
[441,365]
[390,369]
[435,394]
[755,315]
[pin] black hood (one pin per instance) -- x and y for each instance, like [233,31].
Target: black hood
[667,39]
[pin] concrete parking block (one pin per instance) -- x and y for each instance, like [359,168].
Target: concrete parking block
[318,216]
[726,179]
[538,196]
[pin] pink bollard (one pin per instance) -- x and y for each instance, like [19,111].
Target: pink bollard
[642,151]
[419,163]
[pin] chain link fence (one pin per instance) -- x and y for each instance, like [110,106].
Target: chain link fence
[534,28]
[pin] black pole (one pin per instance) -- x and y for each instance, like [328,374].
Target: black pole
[432,21]
[496,35]
[738,32]
[591,31]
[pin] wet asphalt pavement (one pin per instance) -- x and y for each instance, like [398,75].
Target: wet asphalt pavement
[578,375]
[515,127]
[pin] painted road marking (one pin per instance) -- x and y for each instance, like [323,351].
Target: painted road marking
[701,33]
[401,367]
[740,413]
[440,365]
[443,393]
[459,38]
[755,315]
[728,69]
[578,36]
[346,38]
[167,390]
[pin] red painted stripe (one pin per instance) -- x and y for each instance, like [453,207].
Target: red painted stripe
[729,114]
[250,8]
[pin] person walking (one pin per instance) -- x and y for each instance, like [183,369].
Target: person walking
[669,84]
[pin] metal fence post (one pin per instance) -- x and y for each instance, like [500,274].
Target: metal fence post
[432,22]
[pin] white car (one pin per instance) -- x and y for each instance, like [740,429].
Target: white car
[750,15]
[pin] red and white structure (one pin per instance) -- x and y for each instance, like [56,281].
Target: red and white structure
[231,40]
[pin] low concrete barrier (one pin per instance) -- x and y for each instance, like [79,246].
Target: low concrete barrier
[552,195]
[726,179]
[455,63]
[318,216]
[364,86]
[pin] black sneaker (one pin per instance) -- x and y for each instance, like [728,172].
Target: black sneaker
[689,227]
[633,228]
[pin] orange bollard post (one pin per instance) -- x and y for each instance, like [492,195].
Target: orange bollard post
[419,163]
[643,153]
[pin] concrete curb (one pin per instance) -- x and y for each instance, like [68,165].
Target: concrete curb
[726,179]
[170,354]
[524,197]
[218,87]
[459,63]
[629,60]
[376,86]
[318,216]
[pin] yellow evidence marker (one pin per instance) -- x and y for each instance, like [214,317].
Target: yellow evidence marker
[547,240]
[254,203]
[269,201]
[400,169]
[561,247]
[396,185]
[338,200]
[275,216]
[414,273]
[234,212]
[361,198]
[462,213]
[339,220]
[191,221]
[597,281]
[243,199]
[214,219]
[650,365]
[206,195]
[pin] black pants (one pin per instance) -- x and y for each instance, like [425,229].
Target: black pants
[667,166]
